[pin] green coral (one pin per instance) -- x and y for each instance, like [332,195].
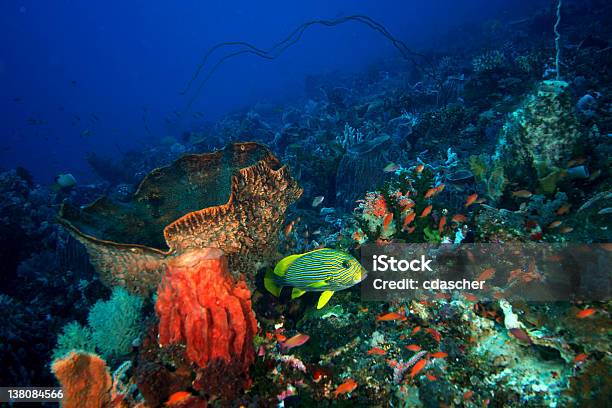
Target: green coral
[73,337]
[112,327]
[541,136]
[115,323]
[432,236]
[490,172]
[444,123]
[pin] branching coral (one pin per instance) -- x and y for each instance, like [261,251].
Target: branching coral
[349,137]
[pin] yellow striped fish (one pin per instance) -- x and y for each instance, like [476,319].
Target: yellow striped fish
[322,270]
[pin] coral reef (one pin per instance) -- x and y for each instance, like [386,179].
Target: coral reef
[485,145]
[233,199]
[360,168]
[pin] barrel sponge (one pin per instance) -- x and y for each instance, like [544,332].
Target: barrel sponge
[232,199]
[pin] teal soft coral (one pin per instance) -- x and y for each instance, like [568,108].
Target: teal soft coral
[116,323]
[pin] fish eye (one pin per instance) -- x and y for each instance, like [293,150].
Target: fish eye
[346,264]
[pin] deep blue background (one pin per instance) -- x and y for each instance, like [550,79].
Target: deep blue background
[131,56]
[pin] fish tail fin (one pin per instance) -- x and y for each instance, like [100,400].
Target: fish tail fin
[281,267]
[270,284]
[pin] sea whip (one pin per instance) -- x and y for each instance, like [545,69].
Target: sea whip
[400,369]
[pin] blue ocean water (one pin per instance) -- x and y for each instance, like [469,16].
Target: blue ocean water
[78,77]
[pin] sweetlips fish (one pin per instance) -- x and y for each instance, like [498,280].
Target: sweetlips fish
[322,270]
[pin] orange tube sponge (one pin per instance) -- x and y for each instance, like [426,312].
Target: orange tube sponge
[84,379]
[201,305]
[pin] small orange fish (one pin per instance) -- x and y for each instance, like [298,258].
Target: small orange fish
[431,377]
[522,194]
[426,211]
[408,205]
[440,188]
[441,224]
[566,229]
[408,219]
[439,354]
[515,274]
[413,347]
[564,209]
[468,394]
[269,336]
[387,220]
[319,374]
[390,317]
[580,357]
[280,337]
[521,335]
[431,192]
[419,168]
[177,398]
[433,333]
[288,229]
[470,200]
[346,387]
[486,274]
[459,218]
[585,313]
[418,367]
[377,351]
[294,341]
[411,230]
[499,295]
[416,330]
[470,297]
[554,224]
